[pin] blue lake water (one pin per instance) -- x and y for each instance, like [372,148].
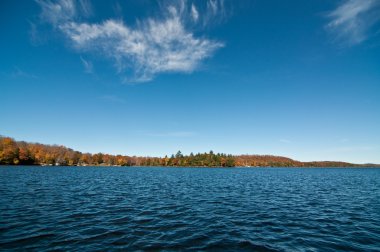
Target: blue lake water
[177,209]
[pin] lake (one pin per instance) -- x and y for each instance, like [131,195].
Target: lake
[177,209]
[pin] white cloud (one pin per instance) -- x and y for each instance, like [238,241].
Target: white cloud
[351,21]
[150,47]
[57,12]
[88,66]
[213,5]
[194,13]
[86,7]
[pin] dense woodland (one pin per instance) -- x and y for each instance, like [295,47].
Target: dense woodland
[22,153]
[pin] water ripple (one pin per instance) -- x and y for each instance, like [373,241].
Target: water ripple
[180,209]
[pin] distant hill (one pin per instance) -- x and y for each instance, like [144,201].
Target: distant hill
[23,153]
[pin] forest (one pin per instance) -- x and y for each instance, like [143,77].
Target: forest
[23,153]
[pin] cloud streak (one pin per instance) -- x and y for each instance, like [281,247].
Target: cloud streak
[88,66]
[150,47]
[194,13]
[18,73]
[57,12]
[351,21]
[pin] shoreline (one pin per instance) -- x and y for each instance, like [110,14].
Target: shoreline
[215,167]
[24,153]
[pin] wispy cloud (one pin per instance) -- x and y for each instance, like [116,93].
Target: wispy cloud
[217,7]
[194,13]
[86,7]
[352,20]
[149,47]
[88,66]
[57,12]
[18,73]
[36,38]
[283,140]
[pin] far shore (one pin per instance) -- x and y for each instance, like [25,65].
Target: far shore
[14,152]
[216,167]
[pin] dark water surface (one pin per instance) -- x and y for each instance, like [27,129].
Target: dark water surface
[106,209]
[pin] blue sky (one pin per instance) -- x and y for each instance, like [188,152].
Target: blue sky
[294,78]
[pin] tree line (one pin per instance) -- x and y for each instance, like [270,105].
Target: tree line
[23,153]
